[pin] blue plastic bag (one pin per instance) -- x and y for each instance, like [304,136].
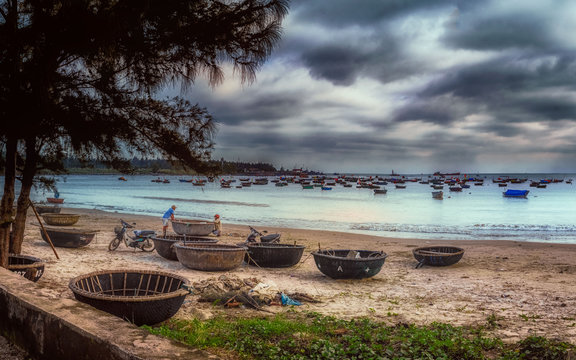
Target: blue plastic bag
[287,301]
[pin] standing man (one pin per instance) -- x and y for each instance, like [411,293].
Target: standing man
[168,216]
[217,225]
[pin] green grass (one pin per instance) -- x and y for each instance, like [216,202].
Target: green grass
[314,336]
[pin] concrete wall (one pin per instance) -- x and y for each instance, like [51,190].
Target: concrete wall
[62,328]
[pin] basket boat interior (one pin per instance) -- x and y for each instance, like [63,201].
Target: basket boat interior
[128,285]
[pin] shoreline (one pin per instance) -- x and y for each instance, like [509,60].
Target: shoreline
[527,287]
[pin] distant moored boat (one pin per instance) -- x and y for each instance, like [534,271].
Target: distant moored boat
[516,193]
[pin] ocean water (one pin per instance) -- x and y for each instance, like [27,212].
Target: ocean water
[480,212]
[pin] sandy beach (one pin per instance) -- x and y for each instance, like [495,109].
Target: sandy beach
[523,288]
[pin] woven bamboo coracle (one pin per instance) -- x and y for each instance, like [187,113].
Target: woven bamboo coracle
[210,257]
[438,255]
[165,245]
[60,219]
[27,266]
[142,297]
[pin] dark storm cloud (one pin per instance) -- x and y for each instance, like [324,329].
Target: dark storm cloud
[499,33]
[342,62]
[364,44]
[510,88]
[437,113]
[338,13]
[257,107]
[496,128]
[429,82]
[553,109]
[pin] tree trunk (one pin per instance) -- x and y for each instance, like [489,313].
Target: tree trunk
[7,200]
[24,198]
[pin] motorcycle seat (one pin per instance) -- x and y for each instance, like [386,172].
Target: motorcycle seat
[144,233]
[270,238]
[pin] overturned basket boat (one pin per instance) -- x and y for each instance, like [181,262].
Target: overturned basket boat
[47,209]
[69,238]
[210,257]
[61,219]
[192,228]
[274,255]
[349,264]
[141,297]
[165,245]
[27,266]
[438,255]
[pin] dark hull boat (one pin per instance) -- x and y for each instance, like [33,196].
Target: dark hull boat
[210,257]
[438,255]
[191,228]
[274,255]
[47,209]
[349,264]
[141,297]
[27,266]
[69,238]
[165,245]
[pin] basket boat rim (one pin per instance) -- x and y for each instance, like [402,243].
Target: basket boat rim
[201,246]
[39,262]
[192,222]
[59,214]
[71,231]
[321,254]
[273,246]
[189,239]
[132,299]
[459,251]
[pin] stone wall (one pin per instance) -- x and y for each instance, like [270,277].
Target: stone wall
[62,328]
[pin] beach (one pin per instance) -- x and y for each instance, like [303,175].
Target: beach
[514,289]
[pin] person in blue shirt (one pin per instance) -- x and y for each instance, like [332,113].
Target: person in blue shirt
[168,216]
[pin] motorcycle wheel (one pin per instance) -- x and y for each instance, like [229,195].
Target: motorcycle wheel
[114,244]
[148,245]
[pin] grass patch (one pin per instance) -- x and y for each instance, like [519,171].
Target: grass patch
[315,336]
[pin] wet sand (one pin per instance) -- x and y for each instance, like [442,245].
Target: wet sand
[523,288]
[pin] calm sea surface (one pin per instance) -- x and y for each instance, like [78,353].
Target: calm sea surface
[480,212]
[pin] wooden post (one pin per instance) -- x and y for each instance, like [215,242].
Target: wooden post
[44,230]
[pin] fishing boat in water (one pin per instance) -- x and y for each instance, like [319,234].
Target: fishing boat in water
[438,195]
[55,200]
[516,193]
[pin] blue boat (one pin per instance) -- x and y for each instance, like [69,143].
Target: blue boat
[516,193]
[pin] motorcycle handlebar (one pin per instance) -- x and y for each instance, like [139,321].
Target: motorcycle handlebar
[125,224]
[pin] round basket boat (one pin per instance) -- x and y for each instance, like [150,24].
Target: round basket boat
[165,245]
[274,255]
[192,228]
[69,238]
[47,209]
[27,266]
[141,297]
[349,264]
[438,255]
[210,257]
[60,219]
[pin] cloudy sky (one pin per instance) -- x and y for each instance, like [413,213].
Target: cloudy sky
[410,85]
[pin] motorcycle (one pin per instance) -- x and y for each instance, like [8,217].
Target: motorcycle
[140,240]
[272,238]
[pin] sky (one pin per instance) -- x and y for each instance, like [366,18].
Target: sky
[414,86]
